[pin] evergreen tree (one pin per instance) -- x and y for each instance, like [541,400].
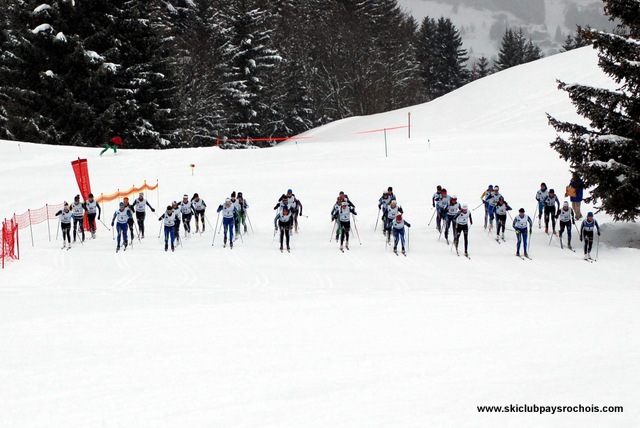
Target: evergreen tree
[79,72]
[516,50]
[483,69]
[248,59]
[606,153]
[442,59]
[574,42]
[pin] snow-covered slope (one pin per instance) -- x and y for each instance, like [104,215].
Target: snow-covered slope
[208,336]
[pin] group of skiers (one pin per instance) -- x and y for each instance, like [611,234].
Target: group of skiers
[393,221]
[450,215]
[287,209]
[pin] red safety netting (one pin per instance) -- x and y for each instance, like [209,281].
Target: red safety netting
[10,244]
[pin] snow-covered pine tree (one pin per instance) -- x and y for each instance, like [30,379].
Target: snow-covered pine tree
[606,153]
[248,57]
[194,30]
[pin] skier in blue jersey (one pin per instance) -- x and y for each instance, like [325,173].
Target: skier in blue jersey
[228,220]
[122,215]
[587,228]
[520,223]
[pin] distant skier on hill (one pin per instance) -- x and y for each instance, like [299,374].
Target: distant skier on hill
[392,196]
[140,207]
[541,195]
[520,226]
[123,215]
[463,220]
[550,204]
[113,143]
[567,218]
[65,224]
[588,226]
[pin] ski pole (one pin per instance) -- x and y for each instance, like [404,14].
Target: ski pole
[113,234]
[481,204]
[597,245]
[377,218]
[432,215]
[58,228]
[408,235]
[356,227]
[249,220]
[214,230]
[332,230]
[207,220]
[107,227]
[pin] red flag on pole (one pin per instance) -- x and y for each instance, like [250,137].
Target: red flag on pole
[81,170]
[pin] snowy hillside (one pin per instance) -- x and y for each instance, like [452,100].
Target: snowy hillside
[215,337]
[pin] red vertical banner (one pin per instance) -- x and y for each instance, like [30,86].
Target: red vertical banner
[81,170]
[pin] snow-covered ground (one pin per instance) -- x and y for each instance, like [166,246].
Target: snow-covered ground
[214,337]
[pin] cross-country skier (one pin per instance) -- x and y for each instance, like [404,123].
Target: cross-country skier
[486,204]
[541,195]
[436,196]
[567,218]
[176,209]
[392,196]
[550,204]
[392,212]
[501,217]
[241,213]
[186,211]
[65,224]
[343,197]
[453,207]
[344,216]
[520,226]
[295,206]
[140,207]
[397,225]
[441,207]
[122,215]
[334,216]
[77,209]
[171,219]
[285,222]
[125,200]
[586,233]
[228,218]
[283,202]
[199,207]
[463,220]
[383,205]
[492,201]
[93,208]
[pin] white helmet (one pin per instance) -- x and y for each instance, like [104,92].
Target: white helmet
[464,206]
